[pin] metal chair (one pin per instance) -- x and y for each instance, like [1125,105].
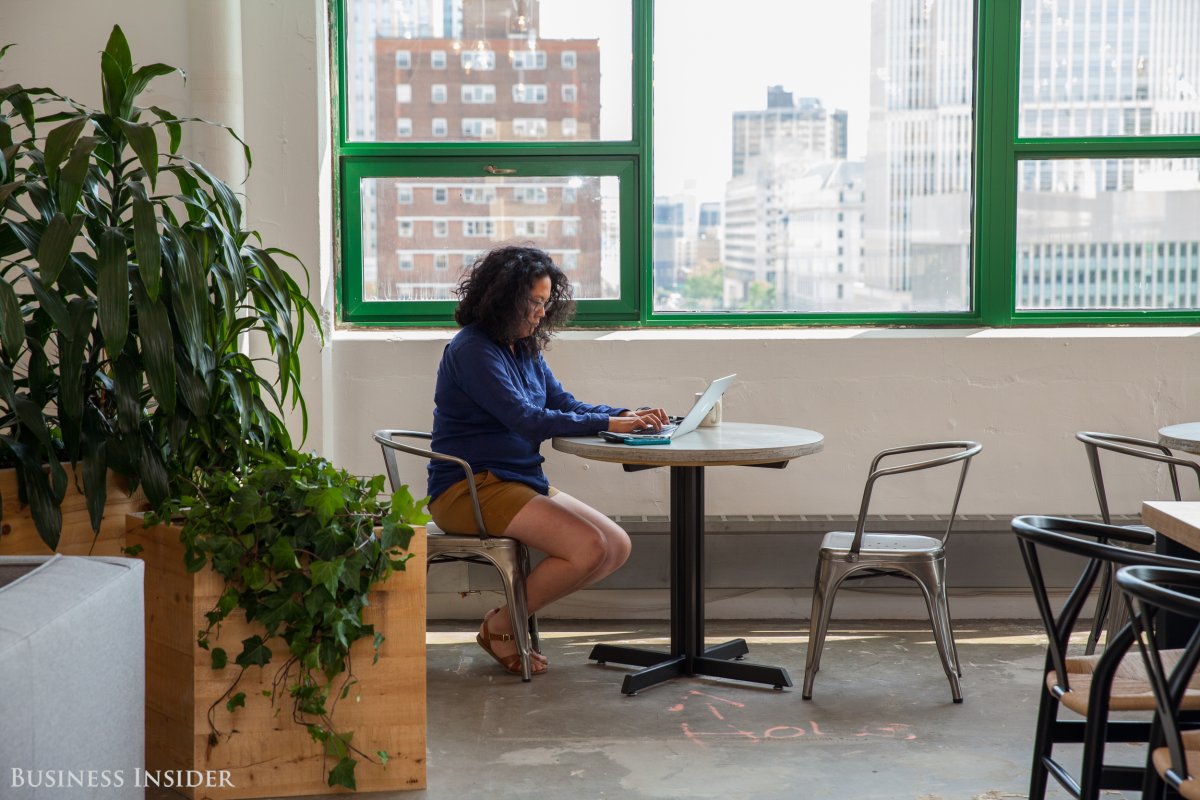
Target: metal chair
[1108,613]
[1149,591]
[1091,685]
[918,558]
[509,557]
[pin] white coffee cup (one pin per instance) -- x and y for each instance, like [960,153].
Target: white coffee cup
[713,417]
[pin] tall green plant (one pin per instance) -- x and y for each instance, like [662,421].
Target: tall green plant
[128,283]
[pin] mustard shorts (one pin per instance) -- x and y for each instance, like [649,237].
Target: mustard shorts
[499,502]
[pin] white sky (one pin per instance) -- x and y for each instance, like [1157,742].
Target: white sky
[715,57]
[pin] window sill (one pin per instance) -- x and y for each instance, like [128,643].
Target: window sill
[804,333]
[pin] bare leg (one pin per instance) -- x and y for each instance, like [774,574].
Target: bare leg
[581,545]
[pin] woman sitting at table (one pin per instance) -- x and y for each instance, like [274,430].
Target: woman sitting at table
[495,402]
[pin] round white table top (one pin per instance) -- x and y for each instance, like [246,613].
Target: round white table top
[727,444]
[1184,436]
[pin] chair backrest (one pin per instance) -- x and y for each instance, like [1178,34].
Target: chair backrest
[1148,590]
[1137,448]
[965,451]
[387,442]
[1089,541]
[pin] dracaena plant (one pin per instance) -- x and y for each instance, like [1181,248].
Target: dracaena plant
[129,284]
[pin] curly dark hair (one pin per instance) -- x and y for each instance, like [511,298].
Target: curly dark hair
[494,294]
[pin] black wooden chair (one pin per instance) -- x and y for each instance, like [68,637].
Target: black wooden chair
[1108,613]
[1089,685]
[1174,752]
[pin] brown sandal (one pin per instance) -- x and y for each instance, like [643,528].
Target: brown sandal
[511,663]
[538,655]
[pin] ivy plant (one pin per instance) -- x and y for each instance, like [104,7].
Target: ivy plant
[300,545]
[128,286]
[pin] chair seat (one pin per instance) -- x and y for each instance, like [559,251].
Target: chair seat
[883,543]
[1191,745]
[1131,686]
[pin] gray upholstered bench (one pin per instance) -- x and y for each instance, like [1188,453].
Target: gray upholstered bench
[72,678]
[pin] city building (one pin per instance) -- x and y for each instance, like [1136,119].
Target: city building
[495,79]
[807,123]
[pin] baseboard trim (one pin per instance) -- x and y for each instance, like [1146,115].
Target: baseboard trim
[775,604]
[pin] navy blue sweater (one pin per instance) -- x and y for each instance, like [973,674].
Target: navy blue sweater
[493,409]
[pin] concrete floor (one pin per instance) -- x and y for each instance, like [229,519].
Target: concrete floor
[881,725]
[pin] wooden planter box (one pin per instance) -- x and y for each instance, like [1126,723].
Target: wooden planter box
[19,537]
[265,753]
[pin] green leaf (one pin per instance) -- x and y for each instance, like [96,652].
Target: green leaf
[70,180]
[72,343]
[219,658]
[118,49]
[225,197]
[95,479]
[157,340]
[147,245]
[326,573]
[254,653]
[189,300]
[145,145]
[59,142]
[174,129]
[50,303]
[55,246]
[112,290]
[326,502]
[143,75]
[237,701]
[283,555]
[343,774]
[12,325]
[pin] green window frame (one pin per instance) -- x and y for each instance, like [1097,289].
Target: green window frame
[999,152]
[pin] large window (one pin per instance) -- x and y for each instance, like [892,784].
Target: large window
[958,162]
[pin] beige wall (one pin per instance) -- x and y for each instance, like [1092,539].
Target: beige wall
[1022,393]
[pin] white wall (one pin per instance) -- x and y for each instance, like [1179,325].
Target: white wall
[1022,393]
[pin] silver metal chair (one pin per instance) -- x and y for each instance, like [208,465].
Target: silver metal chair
[918,558]
[507,555]
[1109,613]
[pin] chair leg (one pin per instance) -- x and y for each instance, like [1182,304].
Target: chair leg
[1103,601]
[514,594]
[1043,745]
[824,587]
[931,578]
[535,641]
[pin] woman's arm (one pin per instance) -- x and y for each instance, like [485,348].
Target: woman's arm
[622,420]
[483,376]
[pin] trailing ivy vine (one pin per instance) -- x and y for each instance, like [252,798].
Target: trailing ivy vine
[300,544]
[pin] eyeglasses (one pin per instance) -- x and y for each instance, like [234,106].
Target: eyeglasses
[535,304]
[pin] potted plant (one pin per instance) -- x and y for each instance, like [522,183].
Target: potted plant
[303,560]
[127,283]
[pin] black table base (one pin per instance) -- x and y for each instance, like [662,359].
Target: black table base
[688,655]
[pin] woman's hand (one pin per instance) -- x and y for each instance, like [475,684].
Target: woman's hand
[642,419]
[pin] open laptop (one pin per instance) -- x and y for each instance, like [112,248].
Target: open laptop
[688,424]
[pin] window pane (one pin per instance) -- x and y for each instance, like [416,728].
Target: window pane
[1110,67]
[490,63]
[418,249]
[833,171]
[1108,233]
